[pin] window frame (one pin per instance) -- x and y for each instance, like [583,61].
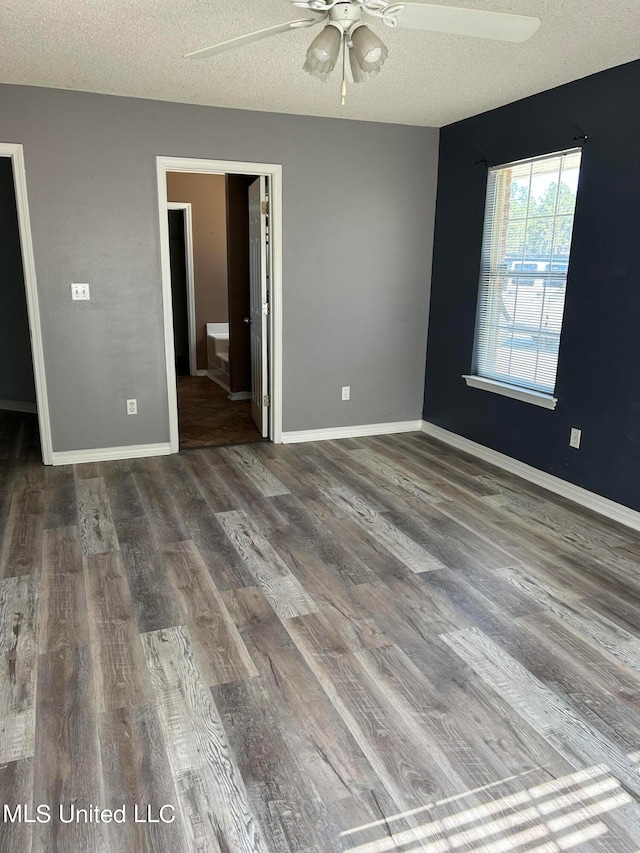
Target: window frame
[543,398]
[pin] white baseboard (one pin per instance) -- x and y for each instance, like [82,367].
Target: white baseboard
[201,372]
[349,432]
[217,380]
[239,395]
[108,454]
[589,500]
[17,406]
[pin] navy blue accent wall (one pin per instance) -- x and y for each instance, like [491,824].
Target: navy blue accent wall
[598,383]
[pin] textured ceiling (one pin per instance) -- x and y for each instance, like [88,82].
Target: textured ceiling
[135,47]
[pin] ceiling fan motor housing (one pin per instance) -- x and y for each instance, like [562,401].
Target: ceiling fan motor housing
[345,16]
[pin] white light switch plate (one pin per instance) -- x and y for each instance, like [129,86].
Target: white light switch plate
[80,291]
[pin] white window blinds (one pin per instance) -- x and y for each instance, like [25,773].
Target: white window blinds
[525,256]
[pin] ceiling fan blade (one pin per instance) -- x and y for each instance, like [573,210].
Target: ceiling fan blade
[467,22]
[247,39]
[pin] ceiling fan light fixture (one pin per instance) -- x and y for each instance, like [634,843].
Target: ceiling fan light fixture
[367,54]
[323,52]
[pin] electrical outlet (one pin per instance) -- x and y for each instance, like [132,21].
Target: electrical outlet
[576,435]
[346,392]
[132,407]
[80,291]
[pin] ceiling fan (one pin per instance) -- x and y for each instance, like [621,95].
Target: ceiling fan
[344,29]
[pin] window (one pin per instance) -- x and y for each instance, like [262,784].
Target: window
[525,258]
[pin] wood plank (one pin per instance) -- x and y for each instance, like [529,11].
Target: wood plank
[182,490]
[22,550]
[283,591]
[136,772]
[540,586]
[67,758]
[330,632]
[412,555]
[280,794]
[123,496]
[452,722]
[553,559]
[225,488]
[401,760]
[152,594]
[63,605]
[220,651]
[432,480]
[227,568]
[397,476]
[16,789]
[473,606]
[477,711]
[582,662]
[427,447]
[436,466]
[87,470]
[340,546]
[548,516]
[135,533]
[246,461]
[212,484]
[215,809]
[548,713]
[345,471]
[454,545]
[331,758]
[288,463]
[60,504]
[96,524]
[120,672]
[618,609]
[18,666]
[606,636]
[308,722]
[324,582]
[378,729]
[410,614]
[373,822]
[554,513]
[166,522]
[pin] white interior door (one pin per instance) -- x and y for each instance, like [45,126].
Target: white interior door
[259,299]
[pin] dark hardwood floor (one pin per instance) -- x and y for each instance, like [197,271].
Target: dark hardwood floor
[365,646]
[208,418]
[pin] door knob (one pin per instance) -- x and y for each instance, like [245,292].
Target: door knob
[247,320]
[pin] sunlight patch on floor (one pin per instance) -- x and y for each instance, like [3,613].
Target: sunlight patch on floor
[541,813]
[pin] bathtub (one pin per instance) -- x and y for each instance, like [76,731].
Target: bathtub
[218,353]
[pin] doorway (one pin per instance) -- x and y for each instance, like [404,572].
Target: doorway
[23,394]
[196,388]
[219,283]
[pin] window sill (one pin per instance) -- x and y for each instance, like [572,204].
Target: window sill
[547,401]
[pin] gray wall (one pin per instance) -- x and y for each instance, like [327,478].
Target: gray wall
[359,204]
[16,369]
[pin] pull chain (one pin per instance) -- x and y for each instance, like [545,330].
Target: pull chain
[343,91]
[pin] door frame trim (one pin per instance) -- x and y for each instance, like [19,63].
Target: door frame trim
[225,167]
[191,287]
[16,154]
